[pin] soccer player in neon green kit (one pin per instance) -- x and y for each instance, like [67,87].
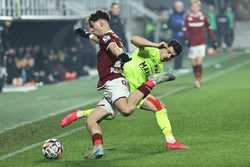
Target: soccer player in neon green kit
[147,60]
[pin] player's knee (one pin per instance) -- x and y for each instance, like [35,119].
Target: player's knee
[127,111]
[90,121]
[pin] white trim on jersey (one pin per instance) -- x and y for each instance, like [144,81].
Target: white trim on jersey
[198,24]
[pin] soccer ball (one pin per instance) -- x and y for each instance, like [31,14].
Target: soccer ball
[52,149]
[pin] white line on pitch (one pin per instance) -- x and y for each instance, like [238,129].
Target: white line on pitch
[79,128]
[46,116]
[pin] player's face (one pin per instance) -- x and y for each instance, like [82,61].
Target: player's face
[96,28]
[195,8]
[179,6]
[115,10]
[169,53]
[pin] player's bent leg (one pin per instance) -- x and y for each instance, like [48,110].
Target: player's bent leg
[68,119]
[163,122]
[127,105]
[196,72]
[95,131]
[199,64]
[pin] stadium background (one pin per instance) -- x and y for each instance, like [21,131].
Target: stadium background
[39,34]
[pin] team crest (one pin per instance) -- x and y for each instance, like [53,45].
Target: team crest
[106,38]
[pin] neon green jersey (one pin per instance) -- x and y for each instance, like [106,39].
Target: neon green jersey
[144,62]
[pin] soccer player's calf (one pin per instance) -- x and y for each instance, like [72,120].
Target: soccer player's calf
[153,104]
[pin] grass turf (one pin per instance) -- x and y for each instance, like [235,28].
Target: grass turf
[213,121]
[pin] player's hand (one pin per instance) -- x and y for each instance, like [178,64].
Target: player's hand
[123,58]
[161,45]
[215,45]
[82,32]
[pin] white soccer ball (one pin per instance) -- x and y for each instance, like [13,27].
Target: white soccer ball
[52,149]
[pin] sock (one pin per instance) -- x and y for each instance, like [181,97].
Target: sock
[145,88]
[195,70]
[150,84]
[164,124]
[199,72]
[84,113]
[97,139]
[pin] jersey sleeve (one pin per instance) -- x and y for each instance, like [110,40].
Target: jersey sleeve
[106,40]
[186,28]
[209,30]
[147,52]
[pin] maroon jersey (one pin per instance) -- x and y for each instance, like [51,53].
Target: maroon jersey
[195,29]
[108,65]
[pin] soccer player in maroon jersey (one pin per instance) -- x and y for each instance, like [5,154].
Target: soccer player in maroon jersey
[110,60]
[195,27]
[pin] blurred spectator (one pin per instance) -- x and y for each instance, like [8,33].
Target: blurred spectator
[6,35]
[31,58]
[213,25]
[223,28]
[11,65]
[176,23]
[212,17]
[39,68]
[117,25]
[210,2]
[149,29]
[3,75]
[87,52]
[195,29]
[55,70]
[231,19]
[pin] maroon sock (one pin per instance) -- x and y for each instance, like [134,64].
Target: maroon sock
[199,72]
[97,139]
[144,89]
[195,70]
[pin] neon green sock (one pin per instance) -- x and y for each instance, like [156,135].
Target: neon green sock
[163,122]
[84,113]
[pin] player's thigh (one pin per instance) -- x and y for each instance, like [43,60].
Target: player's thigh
[122,105]
[199,60]
[194,62]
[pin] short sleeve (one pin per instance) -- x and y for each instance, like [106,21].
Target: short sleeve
[106,40]
[148,52]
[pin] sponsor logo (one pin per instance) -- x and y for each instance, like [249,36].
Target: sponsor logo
[143,66]
[198,24]
[106,38]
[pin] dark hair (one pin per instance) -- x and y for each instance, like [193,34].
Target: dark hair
[114,3]
[98,15]
[176,45]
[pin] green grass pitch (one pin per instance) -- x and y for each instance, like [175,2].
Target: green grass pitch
[213,121]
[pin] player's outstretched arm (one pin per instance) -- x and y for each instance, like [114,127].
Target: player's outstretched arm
[141,42]
[86,34]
